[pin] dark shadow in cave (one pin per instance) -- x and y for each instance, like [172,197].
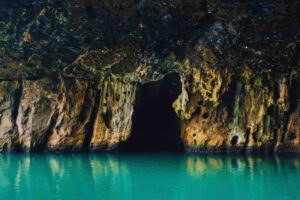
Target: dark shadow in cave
[156,127]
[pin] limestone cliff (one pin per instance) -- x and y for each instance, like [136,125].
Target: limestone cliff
[71,72]
[221,111]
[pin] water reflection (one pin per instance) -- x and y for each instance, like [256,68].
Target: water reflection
[118,176]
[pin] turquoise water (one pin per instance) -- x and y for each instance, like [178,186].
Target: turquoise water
[146,176]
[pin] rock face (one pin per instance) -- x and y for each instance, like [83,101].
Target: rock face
[247,113]
[73,115]
[9,108]
[70,72]
[113,118]
[65,114]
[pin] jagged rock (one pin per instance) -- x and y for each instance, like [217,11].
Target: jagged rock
[113,119]
[70,71]
[9,97]
[248,112]
[74,110]
[37,113]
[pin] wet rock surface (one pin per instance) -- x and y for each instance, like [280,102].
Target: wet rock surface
[70,72]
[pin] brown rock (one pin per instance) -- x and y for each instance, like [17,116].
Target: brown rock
[9,94]
[73,115]
[37,113]
[253,113]
[114,117]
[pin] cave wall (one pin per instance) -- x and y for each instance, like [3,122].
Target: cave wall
[70,71]
[113,118]
[218,111]
[226,112]
[61,114]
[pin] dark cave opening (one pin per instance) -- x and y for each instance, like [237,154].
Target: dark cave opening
[156,127]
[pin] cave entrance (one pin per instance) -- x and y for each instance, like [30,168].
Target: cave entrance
[156,127]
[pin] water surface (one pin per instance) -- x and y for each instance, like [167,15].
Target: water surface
[147,176]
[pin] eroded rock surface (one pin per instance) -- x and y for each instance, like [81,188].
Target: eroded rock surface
[74,110]
[70,72]
[223,112]
[113,120]
[36,114]
[9,109]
